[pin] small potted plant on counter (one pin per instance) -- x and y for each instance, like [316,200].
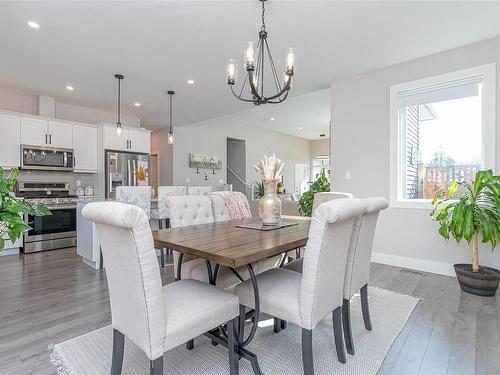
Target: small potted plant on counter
[12,209]
[473,215]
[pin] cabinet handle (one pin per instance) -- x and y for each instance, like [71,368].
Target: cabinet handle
[46,142]
[50,139]
[74,161]
[130,144]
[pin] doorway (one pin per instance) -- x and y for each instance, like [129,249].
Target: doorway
[301,178]
[237,164]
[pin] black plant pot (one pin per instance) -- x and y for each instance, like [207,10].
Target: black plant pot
[483,283]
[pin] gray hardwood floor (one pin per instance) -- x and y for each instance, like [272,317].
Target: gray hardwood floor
[50,297]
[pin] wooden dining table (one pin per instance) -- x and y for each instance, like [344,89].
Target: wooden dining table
[225,244]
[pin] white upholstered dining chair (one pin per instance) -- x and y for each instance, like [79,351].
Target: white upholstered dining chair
[326,196]
[357,272]
[194,210]
[306,298]
[139,196]
[319,198]
[155,318]
[160,212]
[199,190]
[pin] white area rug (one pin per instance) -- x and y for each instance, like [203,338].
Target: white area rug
[280,353]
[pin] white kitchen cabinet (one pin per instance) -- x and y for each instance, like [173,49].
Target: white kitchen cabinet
[113,141]
[139,141]
[131,140]
[34,131]
[85,148]
[40,132]
[60,134]
[10,150]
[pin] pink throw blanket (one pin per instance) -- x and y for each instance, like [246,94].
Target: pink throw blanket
[236,203]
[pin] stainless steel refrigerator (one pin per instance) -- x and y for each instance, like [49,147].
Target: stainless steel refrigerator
[122,168]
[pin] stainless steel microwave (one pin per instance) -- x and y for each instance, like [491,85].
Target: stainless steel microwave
[46,158]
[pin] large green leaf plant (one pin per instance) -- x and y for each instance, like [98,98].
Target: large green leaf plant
[12,225]
[306,200]
[476,213]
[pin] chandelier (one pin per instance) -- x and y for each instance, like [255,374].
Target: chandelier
[256,58]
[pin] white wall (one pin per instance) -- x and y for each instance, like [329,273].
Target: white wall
[360,144]
[320,147]
[209,137]
[10,101]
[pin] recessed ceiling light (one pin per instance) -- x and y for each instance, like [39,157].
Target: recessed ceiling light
[137,104]
[301,128]
[33,24]
[272,119]
[70,88]
[190,82]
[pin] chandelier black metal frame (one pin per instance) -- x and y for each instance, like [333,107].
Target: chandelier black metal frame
[255,71]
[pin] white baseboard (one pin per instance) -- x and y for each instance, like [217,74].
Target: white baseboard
[13,251]
[414,263]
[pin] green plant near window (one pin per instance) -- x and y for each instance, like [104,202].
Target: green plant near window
[306,200]
[12,209]
[475,214]
[258,190]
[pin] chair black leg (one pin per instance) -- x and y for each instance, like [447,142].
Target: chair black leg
[118,347]
[233,345]
[190,345]
[307,354]
[283,324]
[337,333]
[163,254]
[277,325]
[346,323]
[365,308]
[156,366]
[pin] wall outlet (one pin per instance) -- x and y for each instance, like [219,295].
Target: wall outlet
[187,180]
[221,181]
[347,175]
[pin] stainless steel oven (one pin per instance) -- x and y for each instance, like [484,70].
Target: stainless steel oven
[46,158]
[54,231]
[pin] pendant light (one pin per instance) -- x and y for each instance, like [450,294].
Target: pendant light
[119,128]
[171,127]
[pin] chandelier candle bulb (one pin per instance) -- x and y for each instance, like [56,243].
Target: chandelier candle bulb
[290,61]
[232,72]
[250,56]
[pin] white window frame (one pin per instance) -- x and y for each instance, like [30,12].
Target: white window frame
[487,73]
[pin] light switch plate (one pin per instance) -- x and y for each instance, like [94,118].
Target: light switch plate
[221,181]
[347,175]
[78,183]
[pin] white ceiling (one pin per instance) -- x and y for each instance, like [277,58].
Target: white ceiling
[311,112]
[159,45]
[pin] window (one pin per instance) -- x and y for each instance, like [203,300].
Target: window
[442,130]
[319,166]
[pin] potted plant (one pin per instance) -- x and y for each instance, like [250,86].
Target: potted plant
[473,215]
[12,225]
[306,200]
